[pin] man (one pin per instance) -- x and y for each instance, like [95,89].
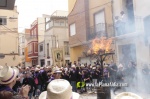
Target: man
[123,22]
[29,81]
[113,70]
[73,77]
[8,78]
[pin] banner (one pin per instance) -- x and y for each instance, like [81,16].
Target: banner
[58,55]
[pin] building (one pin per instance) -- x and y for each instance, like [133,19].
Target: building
[41,33]
[32,44]
[7,4]
[133,43]
[87,19]
[22,47]
[56,36]
[9,38]
[26,35]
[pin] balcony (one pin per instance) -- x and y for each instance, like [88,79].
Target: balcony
[130,27]
[101,30]
[32,38]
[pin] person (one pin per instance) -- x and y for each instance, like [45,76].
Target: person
[8,77]
[73,77]
[5,95]
[119,77]
[106,74]
[118,25]
[58,56]
[29,81]
[123,22]
[59,89]
[113,70]
[95,76]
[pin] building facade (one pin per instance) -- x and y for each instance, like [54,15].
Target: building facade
[9,37]
[41,33]
[33,43]
[87,20]
[56,36]
[133,43]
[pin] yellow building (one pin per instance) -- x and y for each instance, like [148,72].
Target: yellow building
[9,37]
[87,19]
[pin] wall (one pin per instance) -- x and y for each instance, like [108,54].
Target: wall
[9,39]
[41,29]
[80,17]
[71,4]
[98,5]
[76,52]
[61,35]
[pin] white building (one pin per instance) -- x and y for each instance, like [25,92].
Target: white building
[56,36]
[132,44]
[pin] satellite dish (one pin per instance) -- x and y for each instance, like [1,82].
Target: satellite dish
[2,56]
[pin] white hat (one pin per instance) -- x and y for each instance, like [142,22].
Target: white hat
[82,65]
[8,74]
[38,66]
[127,95]
[1,67]
[73,66]
[120,66]
[59,89]
[56,70]
[94,68]
[37,69]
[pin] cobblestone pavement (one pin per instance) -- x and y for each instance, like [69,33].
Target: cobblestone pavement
[88,96]
[94,96]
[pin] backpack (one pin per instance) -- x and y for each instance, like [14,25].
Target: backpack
[36,81]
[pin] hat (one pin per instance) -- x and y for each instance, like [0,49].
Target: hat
[105,66]
[127,95]
[82,65]
[38,66]
[59,89]
[94,68]
[8,74]
[36,69]
[56,70]
[1,67]
[120,66]
[73,66]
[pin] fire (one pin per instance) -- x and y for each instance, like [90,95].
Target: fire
[102,44]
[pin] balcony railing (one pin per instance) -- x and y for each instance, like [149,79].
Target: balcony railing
[101,30]
[98,30]
[131,26]
[32,38]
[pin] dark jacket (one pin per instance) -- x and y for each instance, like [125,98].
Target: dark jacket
[73,75]
[30,82]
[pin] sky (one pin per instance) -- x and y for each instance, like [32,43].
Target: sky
[29,10]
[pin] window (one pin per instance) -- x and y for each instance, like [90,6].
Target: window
[47,19]
[34,33]
[23,51]
[41,47]
[66,47]
[72,29]
[3,20]
[47,26]
[48,63]
[47,49]
[35,47]
[56,23]
[30,48]
[99,21]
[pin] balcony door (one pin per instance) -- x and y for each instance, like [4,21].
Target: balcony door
[99,21]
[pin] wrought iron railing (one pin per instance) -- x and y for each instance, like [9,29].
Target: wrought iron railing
[101,30]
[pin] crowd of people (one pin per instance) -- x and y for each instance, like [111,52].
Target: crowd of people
[36,79]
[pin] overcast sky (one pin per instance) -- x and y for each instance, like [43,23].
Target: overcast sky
[29,10]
